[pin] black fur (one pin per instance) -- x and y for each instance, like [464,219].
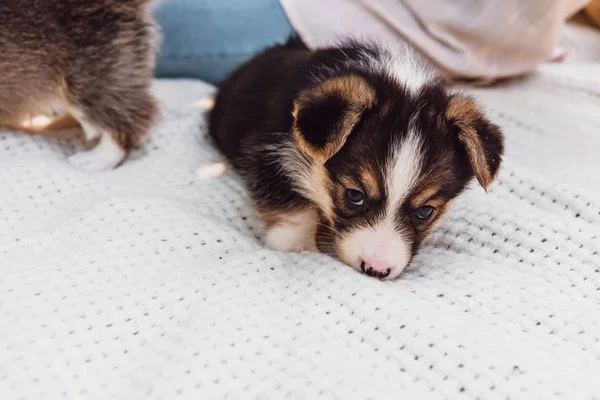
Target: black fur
[253,115]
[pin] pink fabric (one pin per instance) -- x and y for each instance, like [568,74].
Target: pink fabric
[466,38]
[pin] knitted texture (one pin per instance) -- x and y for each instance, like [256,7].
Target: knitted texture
[150,282]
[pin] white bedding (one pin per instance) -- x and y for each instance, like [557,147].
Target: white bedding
[149,282]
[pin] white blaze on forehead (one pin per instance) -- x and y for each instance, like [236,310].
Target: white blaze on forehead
[403,169]
[404,64]
[409,71]
[382,245]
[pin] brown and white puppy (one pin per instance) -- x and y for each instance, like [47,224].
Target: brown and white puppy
[90,58]
[352,150]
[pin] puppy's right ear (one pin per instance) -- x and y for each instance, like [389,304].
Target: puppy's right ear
[326,114]
[482,140]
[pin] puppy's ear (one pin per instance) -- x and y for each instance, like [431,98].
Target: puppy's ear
[325,115]
[482,140]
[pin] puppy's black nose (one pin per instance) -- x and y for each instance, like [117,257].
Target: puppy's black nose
[370,271]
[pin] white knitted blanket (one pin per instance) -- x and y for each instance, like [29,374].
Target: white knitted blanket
[149,281]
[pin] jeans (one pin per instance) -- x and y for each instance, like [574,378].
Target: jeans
[207,39]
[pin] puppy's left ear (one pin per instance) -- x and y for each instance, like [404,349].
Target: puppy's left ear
[325,115]
[483,141]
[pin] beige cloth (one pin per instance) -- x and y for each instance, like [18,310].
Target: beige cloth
[466,38]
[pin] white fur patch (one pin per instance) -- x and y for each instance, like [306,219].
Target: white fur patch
[294,232]
[90,131]
[308,178]
[106,155]
[212,170]
[408,70]
[403,170]
[382,245]
[402,63]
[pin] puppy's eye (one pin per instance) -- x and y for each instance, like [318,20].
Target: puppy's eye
[424,212]
[355,197]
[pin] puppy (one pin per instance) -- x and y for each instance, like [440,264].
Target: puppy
[352,150]
[90,58]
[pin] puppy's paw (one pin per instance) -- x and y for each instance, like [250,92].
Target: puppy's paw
[106,155]
[288,243]
[295,233]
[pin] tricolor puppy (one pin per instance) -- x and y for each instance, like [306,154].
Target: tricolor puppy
[353,150]
[92,59]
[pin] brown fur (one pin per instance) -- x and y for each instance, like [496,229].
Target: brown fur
[441,207]
[95,56]
[64,122]
[355,91]
[466,113]
[429,191]
[272,218]
[592,10]
[318,139]
[371,181]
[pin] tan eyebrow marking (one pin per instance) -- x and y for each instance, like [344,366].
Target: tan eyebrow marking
[370,182]
[348,183]
[420,199]
[367,181]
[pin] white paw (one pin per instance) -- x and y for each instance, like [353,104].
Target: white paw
[293,235]
[291,247]
[106,155]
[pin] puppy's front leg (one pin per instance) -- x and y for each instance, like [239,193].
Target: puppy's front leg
[291,231]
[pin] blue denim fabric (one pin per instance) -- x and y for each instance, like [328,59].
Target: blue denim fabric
[207,39]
